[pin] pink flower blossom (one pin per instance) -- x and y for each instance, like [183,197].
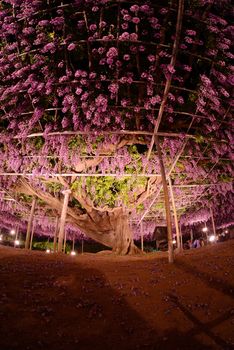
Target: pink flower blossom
[155,99]
[126,57]
[136,20]
[180,100]
[124,26]
[191,32]
[151,58]
[145,8]
[112,52]
[134,8]
[170,69]
[93,27]
[113,88]
[78,91]
[71,47]
[133,37]
[124,36]
[127,18]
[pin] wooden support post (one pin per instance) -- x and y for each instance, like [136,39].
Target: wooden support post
[191,235]
[142,237]
[181,237]
[175,215]
[167,203]
[212,219]
[82,246]
[73,243]
[63,220]
[65,241]
[16,235]
[32,234]
[17,232]
[30,221]
[56,234]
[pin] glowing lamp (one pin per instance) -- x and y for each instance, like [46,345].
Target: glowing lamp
[174,241]
[0,237]
[17,242]
[226,231]
[47,251]
[73,252]
[212,238]
[12,232]
[205,229]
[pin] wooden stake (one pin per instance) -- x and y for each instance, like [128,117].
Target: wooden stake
[82,246]
[167,202]
[30,221]
[175,215]
[66,194]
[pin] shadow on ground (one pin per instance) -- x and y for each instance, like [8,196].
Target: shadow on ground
[53,305]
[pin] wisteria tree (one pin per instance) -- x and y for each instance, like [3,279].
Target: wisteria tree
[87,85]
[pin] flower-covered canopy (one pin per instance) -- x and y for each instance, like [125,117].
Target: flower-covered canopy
[85,87]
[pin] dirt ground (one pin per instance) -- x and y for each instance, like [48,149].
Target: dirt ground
[107,302]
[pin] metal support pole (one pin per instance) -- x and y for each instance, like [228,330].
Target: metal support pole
[175,215]
[63,220]
[30,221]
[56,233]
[167,203]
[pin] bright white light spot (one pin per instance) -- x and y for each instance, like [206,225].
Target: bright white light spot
[226,231]
[12,232]
[0,237]
[205,229]
[73,252]
[212,238]
[17,242]
[47,251]
[174,241]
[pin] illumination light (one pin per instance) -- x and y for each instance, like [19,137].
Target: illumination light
[17,242]
[73,252]
[47,251]
[0,237]
[212,238]
[174,241]
[12,232]
[205,229]
[226,231]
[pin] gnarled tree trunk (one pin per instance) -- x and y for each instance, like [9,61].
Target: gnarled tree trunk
[108,227]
